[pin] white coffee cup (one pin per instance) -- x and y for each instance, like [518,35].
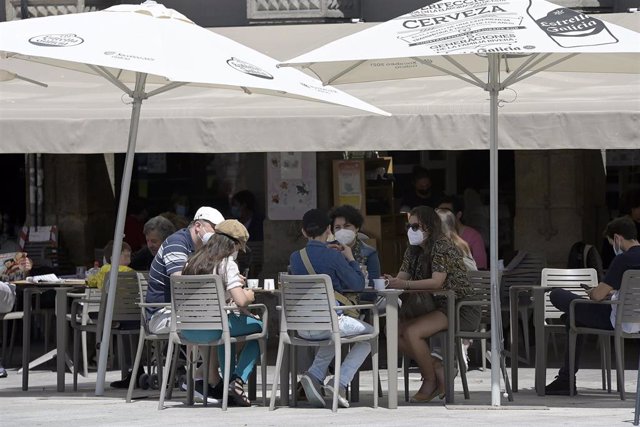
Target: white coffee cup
[269,285]
[253,283]
[380,284]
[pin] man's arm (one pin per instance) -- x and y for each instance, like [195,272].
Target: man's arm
[600,292]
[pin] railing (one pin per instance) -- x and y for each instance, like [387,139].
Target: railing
[38,8]
[259,11]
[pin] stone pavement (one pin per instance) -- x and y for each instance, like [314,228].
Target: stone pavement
[42,405]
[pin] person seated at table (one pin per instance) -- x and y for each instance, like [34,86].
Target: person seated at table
[346,222]
[623,237]
[97,280]
[8,291]
[156,231]
[431,263]
[337,261]
[218,256]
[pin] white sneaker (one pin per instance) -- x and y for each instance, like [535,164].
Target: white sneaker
[342,395]
[313,390]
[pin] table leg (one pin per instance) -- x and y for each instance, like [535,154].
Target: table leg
[514,327]
[540,366]
[450,365]
[26,337]
[392,346]
[61,335]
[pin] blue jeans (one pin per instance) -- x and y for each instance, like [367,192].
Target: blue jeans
[591,316]
[348,327]
[239,325]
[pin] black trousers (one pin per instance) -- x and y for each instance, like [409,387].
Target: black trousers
[587,315]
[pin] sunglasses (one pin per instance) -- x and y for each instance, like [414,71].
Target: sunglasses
[415,226]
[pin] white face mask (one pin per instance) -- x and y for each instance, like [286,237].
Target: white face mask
[616,250]
[345,236]
[234,255]
[415,237]
[206,236]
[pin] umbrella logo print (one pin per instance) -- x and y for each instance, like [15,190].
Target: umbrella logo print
[56,40]
[248,68]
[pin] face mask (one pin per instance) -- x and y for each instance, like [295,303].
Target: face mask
[345,236]
[415,237]
[206,236]
[234,255]
[616,250]
[235,211]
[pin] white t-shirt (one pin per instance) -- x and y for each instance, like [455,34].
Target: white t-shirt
[7,297]
[230,273]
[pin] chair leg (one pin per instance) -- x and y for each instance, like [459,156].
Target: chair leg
[174,367]
[483,350]
[121,361]
[463,369]
[376,372]
[136,364]
[165,379]
[5,336]
[191,361]
[636,416]
[263,369]
[76,356]
[12,341]
[603,362]
[572,361]
[619,348]
[276,374]
[227,371]
[405,370]
[607,345]
[336,376]
[293,363]
[524,316]
[158,351]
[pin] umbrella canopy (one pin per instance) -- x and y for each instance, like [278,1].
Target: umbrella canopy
[491,44]
[145,45]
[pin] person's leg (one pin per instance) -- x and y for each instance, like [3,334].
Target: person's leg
[415,335]
[403,344]
[350,326]
[240,325]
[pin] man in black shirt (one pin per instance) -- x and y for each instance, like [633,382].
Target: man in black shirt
[623,237]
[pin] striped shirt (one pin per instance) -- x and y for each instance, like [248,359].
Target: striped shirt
[171,258]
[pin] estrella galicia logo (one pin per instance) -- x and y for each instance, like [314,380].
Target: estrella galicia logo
[56,40]
[247,68]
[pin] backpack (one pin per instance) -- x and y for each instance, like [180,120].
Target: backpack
[582,255]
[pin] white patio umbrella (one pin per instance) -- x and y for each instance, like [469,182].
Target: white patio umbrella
[491,44]
[147,45]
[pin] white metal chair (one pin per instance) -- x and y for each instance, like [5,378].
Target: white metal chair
[90,304]
[628,311]
[198,303]
[5,318]
[308,304]
[146,335]
[125,312]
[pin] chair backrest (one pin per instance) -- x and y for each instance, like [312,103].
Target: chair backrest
[197,303]
[566,278]
[143,285]
[523,270]
[125,307]
[481,285]
[629,309]
[307,302]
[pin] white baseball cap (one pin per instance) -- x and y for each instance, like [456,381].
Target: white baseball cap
[209,214]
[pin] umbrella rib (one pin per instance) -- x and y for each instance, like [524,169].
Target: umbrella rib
[475,81]
[549,65]
[464,70]
[343,72]
[522,68]
[165,88]
[107,75]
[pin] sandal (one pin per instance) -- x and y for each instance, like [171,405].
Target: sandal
[236,392]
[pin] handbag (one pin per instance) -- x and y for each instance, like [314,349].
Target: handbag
[345,299]
[416,304]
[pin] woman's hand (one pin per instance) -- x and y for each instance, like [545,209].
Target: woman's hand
[395,282]
[25,264]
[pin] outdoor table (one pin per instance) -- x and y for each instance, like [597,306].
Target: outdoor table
[538,322]
[61,288]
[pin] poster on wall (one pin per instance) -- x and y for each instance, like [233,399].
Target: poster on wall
[291,185]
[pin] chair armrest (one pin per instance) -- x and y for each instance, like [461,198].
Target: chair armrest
[154,304]
[372,307]
[76,307]
[572,308]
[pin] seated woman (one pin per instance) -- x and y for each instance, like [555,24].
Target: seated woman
[346,222]
[431,262]
[449,229]
[217,256]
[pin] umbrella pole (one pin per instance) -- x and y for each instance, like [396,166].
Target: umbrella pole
[138,96]
[494,89]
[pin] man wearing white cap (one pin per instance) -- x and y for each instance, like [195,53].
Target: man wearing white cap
[171,258]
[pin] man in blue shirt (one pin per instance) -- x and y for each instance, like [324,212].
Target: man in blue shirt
[337,261]
[622,235]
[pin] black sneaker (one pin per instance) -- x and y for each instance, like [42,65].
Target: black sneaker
[198,394]
[559,387]
[124,383]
